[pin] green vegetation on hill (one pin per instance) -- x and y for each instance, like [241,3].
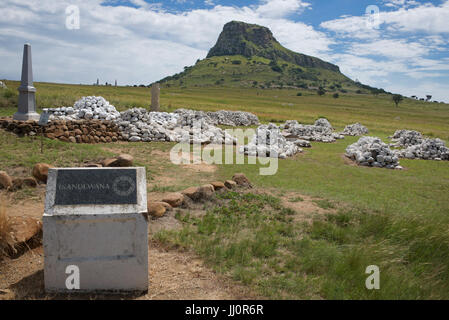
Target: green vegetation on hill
[247,55]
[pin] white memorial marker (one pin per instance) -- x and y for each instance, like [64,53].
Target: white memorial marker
[95,223]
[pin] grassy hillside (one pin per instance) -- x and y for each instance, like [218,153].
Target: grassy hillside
[258,72]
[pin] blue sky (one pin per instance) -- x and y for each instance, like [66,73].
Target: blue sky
[403,48]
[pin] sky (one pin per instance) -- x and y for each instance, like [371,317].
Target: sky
[401,46]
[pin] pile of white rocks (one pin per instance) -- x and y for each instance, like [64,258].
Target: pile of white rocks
[2,85]
[372,152]
[428,149]
[321,131]
[355,129]
[138,124]
[86,108]
[223,117]
[233,118]
[269,142]
[405,138]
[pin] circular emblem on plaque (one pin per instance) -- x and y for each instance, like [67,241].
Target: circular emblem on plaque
[123,186]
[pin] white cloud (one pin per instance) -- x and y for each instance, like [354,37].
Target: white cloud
[426,18]
[136,45]
[280,8]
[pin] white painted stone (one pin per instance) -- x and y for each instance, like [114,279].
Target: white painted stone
[108,243]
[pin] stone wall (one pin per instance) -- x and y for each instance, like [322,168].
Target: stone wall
[78,131]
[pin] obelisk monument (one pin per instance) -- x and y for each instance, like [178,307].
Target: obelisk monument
[27,93]
[155,91]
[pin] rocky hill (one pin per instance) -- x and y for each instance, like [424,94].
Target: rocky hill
[248,55]
[239,38]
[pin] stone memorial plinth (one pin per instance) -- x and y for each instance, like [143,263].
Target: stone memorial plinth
[95,222]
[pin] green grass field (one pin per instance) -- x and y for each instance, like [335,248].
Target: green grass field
[398,220]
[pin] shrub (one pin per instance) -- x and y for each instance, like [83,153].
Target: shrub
[299,94]
[236,62]
[336,95]
[321,92]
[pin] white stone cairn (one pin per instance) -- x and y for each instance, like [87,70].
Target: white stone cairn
[86,108]
[269,142]
[428,149]
[355,129]
[405,138]
[188,127]
[321,131]
[233,118]
[372,152]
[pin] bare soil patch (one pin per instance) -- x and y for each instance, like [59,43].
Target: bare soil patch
[173,275]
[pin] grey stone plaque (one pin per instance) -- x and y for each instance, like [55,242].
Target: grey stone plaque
[96,187]
[43,120]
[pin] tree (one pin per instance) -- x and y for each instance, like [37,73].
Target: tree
[397,98]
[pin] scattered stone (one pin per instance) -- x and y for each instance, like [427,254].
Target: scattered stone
[17,184]
[124,160]
[156,209]
[6,181]
[218,185]
[206,192]
[355,129]
[166,205]
[230,184]
[108,162]
[372,152]
[30,182]
[241,180]
[191,192]
[174,199]
[40,171]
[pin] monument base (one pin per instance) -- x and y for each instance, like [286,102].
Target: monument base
[26,116]
[109,250]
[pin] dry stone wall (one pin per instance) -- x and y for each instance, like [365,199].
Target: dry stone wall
[79,131]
